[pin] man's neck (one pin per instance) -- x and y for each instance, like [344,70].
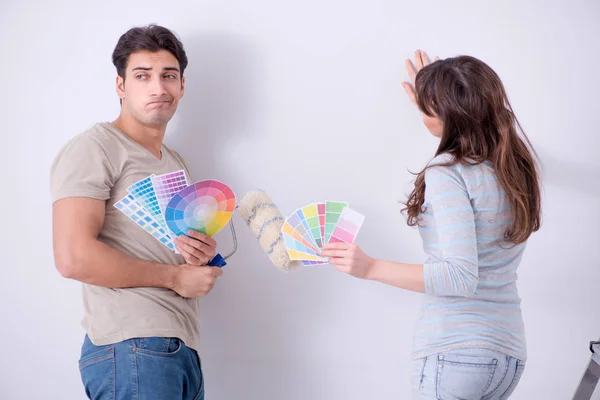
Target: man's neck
[150,138]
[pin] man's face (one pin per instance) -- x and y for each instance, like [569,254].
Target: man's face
[152,87]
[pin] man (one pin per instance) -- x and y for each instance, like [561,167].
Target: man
[140,297]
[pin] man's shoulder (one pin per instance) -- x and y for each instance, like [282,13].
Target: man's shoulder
[103,133]
[84,141]
[83,167]
[98,136]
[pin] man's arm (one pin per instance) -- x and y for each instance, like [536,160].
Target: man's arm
[79,255]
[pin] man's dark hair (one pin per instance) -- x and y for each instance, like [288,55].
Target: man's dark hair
[149,38]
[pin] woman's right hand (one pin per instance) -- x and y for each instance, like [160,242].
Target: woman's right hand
[421,60]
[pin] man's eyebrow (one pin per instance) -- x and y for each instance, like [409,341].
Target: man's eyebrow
[150,69]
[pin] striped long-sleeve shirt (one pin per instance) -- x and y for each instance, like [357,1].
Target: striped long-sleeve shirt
[471,271]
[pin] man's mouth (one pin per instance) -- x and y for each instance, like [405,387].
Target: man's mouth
[159,102]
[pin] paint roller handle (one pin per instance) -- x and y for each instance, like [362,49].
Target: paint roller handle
[217,261]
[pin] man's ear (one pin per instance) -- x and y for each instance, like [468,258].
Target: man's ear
[182,85]
[120,87]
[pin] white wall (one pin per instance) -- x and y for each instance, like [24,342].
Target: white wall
[270,86]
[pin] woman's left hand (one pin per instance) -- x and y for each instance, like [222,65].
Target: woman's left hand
[348,258]
[421,60]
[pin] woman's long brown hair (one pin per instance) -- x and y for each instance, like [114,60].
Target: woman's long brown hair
[479,125]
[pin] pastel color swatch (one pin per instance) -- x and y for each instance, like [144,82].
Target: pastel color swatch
[311,214]
[298,251]
[347,226]
[302,218]
[333,211]
[298,224]
[309,263]
[321,213]
[289,230]
[309,228]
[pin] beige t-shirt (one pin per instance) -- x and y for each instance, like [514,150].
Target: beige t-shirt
[101,163]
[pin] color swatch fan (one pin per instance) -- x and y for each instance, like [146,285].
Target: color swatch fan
[167,185]
[144,194]
[309,228]
[138,214]
[145,202]
[205,206]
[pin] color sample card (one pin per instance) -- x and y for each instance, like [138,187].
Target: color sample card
[309,228]
[138,214]
[312,221]
[289,230]
[205,206]
[309,263]
[333,211]
[298,225]
[167,185]
[347,226]
[298,251]
[302,219]
[321,212]
[144,193]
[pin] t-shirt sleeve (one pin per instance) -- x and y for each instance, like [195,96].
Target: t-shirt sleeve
[455,273]
[81,169]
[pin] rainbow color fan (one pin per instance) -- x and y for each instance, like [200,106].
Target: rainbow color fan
[309,228]
[205,206]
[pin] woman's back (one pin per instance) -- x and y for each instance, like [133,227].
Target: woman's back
[471,270]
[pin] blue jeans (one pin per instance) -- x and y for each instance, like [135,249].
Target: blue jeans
[142,368]
[470,374]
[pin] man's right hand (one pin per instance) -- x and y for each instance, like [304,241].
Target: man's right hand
[195,281]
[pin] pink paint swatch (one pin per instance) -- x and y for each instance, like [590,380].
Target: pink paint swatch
[167,185]
[347,227]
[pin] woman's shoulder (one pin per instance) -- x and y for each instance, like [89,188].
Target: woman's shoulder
[441,159]
[446,165]
[447,162]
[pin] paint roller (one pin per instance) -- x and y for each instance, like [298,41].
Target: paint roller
[264,219]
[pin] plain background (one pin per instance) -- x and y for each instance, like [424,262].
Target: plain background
[303,100]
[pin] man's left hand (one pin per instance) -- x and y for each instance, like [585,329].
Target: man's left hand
[197,248]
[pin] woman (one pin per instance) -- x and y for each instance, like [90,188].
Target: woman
[476,204]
